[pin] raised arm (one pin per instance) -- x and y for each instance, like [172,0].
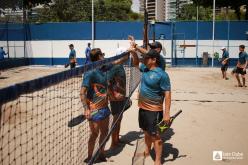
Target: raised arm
[121,60]
[135,58]
[134,45]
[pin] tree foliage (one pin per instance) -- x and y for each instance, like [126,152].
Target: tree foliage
[226,3]
[189,12]
[74,10]
[15,4]
[80,10]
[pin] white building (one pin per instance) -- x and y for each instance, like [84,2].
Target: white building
[162,10]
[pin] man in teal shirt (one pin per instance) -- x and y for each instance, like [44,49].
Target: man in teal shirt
[241,65]
[155,90]
[224,62]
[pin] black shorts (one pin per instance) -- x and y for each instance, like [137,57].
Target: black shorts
[73,65]
[240,71]
[149,119]
[117,106]
[224,67]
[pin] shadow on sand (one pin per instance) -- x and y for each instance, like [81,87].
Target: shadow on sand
[126,139]
[168,148]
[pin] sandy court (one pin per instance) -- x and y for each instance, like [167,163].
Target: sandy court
[214,118]
[24,73]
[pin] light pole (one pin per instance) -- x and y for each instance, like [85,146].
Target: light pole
[92,24]
[197,31]
[153,30]
[213,32]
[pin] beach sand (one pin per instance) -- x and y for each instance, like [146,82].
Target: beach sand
[214,118]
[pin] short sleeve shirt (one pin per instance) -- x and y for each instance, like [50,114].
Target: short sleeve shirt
[153,85]
[2,53]
[72,54]
[87,55]
[243,57]
[117,83]
[225,55]
[96,83]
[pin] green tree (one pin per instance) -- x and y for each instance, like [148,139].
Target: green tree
[115,10]
[80,10]
[14,4]
[189,12]
[226,3]
[65,11]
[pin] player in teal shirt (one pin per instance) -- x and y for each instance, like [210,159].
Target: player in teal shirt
[153,85]
[224,62]
[241,66]
[117,97]
[94,98]
[93,95]
[72,57]
[155,89]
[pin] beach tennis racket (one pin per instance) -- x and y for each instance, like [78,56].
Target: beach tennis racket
[76,120]
[163,126]
[66,65]
[79,119]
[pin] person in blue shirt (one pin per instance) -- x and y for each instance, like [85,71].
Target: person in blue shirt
[224,62]
[72,57]
[155,90]
[94,98]
[2,53]
[241,66]
[87,54]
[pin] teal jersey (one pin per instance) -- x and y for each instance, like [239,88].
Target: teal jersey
[117,83]
[153,85]
[72,54]
[243,57]
[96,83]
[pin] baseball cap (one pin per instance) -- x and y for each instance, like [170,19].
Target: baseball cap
[155,45]
[152,54]
[223,47]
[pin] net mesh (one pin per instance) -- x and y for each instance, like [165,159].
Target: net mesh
[34,120]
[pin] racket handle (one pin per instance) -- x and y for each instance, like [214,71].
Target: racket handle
[174,116]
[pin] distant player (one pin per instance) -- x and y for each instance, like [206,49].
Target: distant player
[224,62]
[87,54]
[72,57]
[2,53]
[155,89]
[241,66]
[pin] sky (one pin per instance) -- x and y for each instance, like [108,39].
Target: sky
[135,6]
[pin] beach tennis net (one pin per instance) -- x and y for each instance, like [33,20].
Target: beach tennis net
[34,117]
